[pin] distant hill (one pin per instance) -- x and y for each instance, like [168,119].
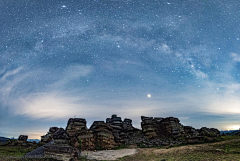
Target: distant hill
[3,140]
[230,132]
[36,140]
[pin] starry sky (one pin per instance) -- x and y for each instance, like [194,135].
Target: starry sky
[94,58]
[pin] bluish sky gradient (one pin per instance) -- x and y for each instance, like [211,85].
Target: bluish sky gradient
[95,58]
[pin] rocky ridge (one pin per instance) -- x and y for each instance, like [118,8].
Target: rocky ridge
[156,131]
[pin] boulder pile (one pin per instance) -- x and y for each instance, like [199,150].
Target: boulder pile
[158,127]
[23,138]
[211,132]
[123,131]
[103,136]
[190,131]
[86,139]
[170,127]
[60,149]
[49,136]
[156,131]
[21,141]
[75,125]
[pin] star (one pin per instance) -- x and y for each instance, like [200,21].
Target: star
[149,95]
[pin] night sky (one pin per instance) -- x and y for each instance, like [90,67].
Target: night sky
[94,58]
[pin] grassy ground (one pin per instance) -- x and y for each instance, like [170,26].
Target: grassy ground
[13,151]
[16,153]
[228,149]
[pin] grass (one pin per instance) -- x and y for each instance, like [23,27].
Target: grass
[13,151]
[82,158]
[16,153]
[229,149]
[124,146]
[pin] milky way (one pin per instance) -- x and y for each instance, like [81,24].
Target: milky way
[94,58]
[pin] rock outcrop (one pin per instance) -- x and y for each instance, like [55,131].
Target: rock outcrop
[21,141]
[157,127]
[49,136]
[86,139]
[123,130]
[75,125]
[211,132]
[103,136]
[190,131]
[156,131]
[23,138]
[60,149]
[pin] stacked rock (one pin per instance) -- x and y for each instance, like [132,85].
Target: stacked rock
[21,141]
[60,148]
[170,127]
[86,139]
[103,135]
[23,138]
[161,127]
[48,137]
[210,132]
[122,130]
[116,124]
[190,131]
[150,126]
[61,137]
[75,125]
[191,135]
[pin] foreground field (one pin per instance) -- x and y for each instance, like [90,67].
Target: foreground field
[225,150]
[228,148]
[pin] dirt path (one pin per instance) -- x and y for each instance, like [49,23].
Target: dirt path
[108,154]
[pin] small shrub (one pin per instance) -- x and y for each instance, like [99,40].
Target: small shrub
[80,144]
[183,138]
[123,146]
[141,145]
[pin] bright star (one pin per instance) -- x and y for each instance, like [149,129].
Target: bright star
[64,6]
[149,95]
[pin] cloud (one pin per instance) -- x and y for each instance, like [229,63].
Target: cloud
[163,49]
[72,30]
[8,86]
[48,106]
[9,73]
[29,83]
[235,57]
[72,72]
[225,105]
[198,73]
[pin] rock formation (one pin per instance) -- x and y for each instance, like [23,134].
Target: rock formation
[156,131]
[23,138]
[190,131]
[48,137]
[103,136]
[21,141]
[75,125]
[60,149]
[211,132]
[161,127]
[122,130]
